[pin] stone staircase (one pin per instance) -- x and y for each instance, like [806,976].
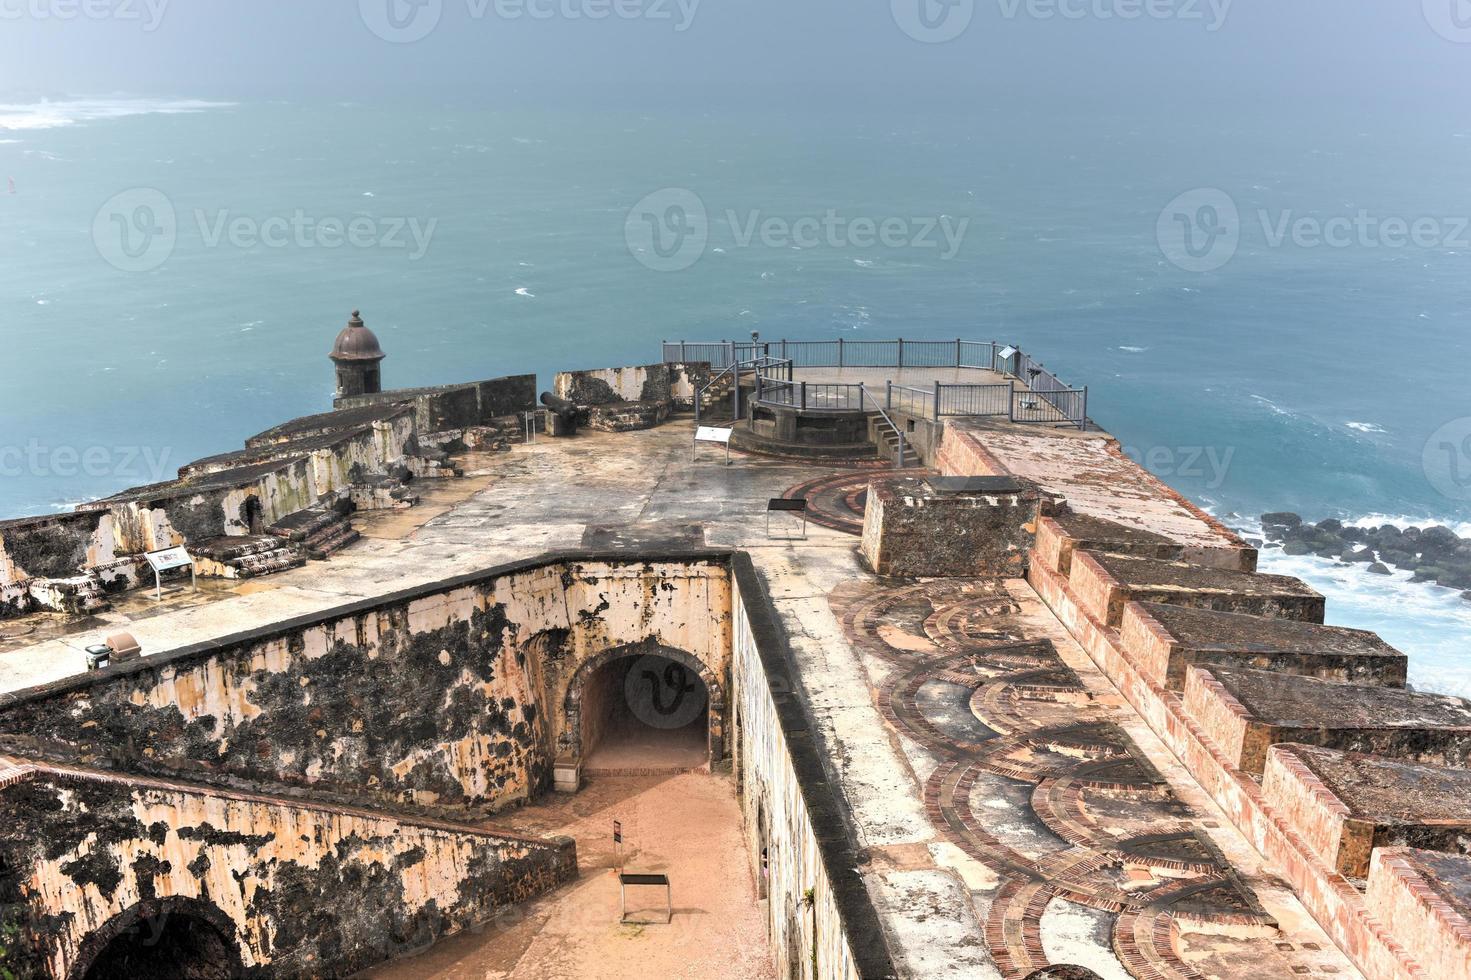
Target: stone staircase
[889,439]
[715,400]
[320,532]
[244,557]
[78,596]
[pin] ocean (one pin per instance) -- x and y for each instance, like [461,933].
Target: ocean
[1270,310]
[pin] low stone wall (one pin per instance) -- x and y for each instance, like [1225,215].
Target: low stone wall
[295,890]
[1406,895]
[464,406]
[454,697]
[822,922]
[672,383]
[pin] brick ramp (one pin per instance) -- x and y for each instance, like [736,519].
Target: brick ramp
[302,888]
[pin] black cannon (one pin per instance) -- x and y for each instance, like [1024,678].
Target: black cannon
[565,416]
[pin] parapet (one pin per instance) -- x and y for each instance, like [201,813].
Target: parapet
[1105,583]
[1168,640]
[1346,804]
[1424,899]
[1245,712]
[1062,534]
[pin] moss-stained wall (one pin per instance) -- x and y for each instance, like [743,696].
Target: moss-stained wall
[676,383]
[449,697]
[299,890]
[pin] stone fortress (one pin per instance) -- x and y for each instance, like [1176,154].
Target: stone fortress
[991,700]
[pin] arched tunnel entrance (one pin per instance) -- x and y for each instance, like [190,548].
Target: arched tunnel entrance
[645,711]
[167,941]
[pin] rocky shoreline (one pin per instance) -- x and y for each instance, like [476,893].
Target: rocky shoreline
[1434,554]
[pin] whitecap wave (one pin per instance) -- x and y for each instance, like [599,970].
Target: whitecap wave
[16,116]
[526,292]
[1134,350]
[864,263]
[1368,427]
[1425,621]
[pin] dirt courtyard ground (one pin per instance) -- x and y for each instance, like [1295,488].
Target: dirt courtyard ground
[686,826]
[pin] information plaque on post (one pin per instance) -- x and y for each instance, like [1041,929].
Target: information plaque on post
[707,433]
[165,561]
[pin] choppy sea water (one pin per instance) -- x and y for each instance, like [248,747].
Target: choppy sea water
[172,274]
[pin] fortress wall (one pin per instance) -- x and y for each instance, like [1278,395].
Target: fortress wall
[675,383]
[299,890]
[463,406]
[54,546]
[822,921]
[450,697]
[1196,739]
[1406,892]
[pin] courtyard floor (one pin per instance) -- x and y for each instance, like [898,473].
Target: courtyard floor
[687,826]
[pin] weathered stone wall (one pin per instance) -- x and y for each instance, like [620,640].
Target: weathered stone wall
[446,407]
[822,923]
[62,546]
[674,383]
[451,697]
[298,890]
[909,530]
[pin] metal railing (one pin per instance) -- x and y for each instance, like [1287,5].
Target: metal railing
[840,353]
[1044,399]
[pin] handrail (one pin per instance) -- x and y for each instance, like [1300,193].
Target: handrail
[863,392]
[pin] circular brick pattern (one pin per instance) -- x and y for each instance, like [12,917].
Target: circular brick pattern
[993,707]
[838,501]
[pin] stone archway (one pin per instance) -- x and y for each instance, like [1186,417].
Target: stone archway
[168,938]
[575,704]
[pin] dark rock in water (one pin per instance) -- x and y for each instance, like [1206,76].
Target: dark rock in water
[1330,553]
[1399,559]
[1275,523]
[1456,577]
[1332,524]
[1379,568]
[1355,534]
[1295,548]
[1254,542]
[1358,557]
[1466,596]
[1413,533]
[1428,573]
[1439,540]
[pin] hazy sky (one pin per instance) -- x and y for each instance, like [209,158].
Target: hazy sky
[498,50]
